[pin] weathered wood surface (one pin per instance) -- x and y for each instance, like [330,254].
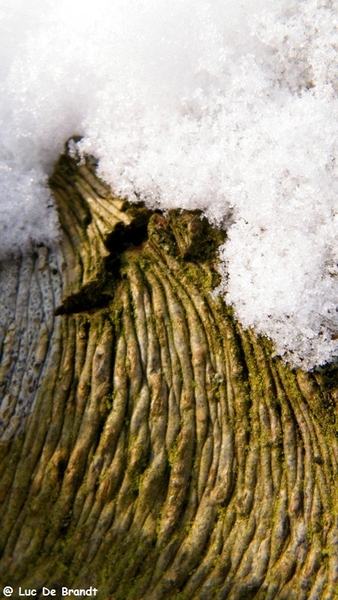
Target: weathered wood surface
[150,447]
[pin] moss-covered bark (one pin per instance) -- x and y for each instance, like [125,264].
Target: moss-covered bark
[150,447]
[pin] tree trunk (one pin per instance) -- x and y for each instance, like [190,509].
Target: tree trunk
[150,447]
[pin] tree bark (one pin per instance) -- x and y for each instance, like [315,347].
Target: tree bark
[149,446]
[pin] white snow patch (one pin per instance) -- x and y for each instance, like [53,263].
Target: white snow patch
[220,105]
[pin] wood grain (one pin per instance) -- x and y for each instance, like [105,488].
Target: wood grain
[150,446]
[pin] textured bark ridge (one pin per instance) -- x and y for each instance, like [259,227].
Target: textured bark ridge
[150,447]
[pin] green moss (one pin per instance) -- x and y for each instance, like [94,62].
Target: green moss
[174,453]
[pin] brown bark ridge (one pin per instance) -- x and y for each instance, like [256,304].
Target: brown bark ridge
[149,446]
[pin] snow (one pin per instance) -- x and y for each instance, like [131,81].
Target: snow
[230,107]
